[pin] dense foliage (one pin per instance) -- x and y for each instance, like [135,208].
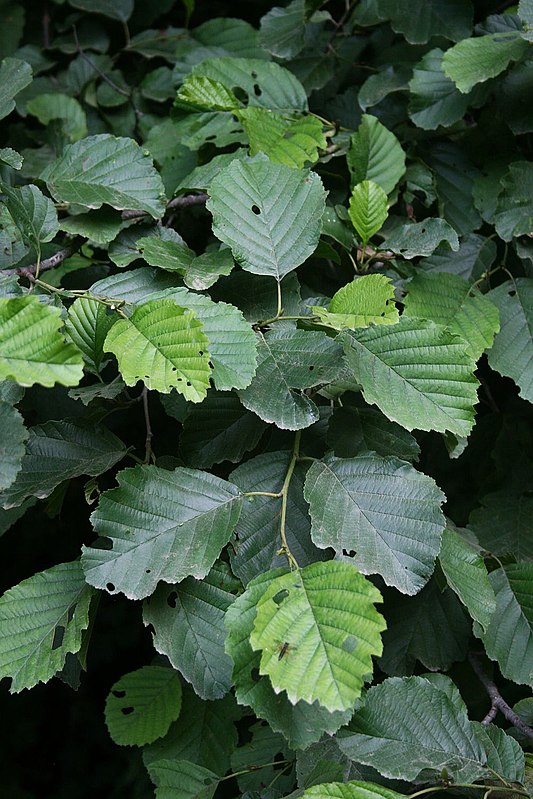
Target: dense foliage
[266,374]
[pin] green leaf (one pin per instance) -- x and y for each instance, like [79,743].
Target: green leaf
[381,508]
[454,175]
[434,99]
[11,158]
[115,9]
[352,431]
[204,733]
[161,525]
[525,12]
[42,619]
[101,226]
[87,325]
[188,624]
[282,30]
[142,705]
[201,93]
[475,255]
[289,361]
[173,256]
[263,746]
[421,238]
[164,345]
[301,724]
[256,545]
[368,209]
[367,300]
[512,352]
[430,627]
[375,154]
[420,20]
[391,78]
[476,60]
[219,429]
[250,202]
[452,302]
[15,75]
[386,363]
[31,348]
[403,744]
[58,451]
[317,629]
[467,576]
[509,637]
[514,210]
[106,169]
[504,755]
[13,435]
[105,391]
[181,778]
[504,524]
[48,107]
[350,790]
[206,269]
[291,141]
[33,214]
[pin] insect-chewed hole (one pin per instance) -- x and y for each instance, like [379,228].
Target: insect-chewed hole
[256,210]
[255,675]
[119,694]
[147,571]
[59,634]
[257,90]
[311,368]
[512,293]
[171,599]
[280,596]
[126,711]
[110,587]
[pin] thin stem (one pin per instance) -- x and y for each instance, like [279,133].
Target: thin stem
[183,201]
[96,68]
[496,699]
[254,768]
[148,454]
[280,307]
[265,322]
[276,495]
[285,550]
[492,788]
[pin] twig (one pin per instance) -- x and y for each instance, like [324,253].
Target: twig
[285,550]
[338,26]
[183,201]
[149,435]
[47,263]
[97,69]
[497,701]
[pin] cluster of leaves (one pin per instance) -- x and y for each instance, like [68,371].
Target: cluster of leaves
[283,248]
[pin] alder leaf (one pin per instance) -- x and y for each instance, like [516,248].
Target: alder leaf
[383,510]
[285,140]
[421,238]
[182,778]
[33,213]
[350,790]
[15,75]
[13,436]
[365,301]
[368,209]
[88,323]
[31,348]
[473,61]
[512,352]
[142,705]
[317,630]
[375,154]
[42,619]
[160,525]
[164,345]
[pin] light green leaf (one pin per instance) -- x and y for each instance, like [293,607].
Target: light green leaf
[219,429]
[42,619]
[105,391]
[473,61]
[430,627]
[467,575]
[452,302]
[101,225]
[350,790]
[173,256]
[87,325]
[164,345]
[199,93]
[434,98]
[31,348]
[375,154]
[504,754]
[58,451]
[280,90]
[352,431]
[420,20]
[504,524]
[15,75]
[181,778]
[381,508]
[161,525]
[204,733]
[367,300]
[249,203]
[106,169]
[301,724]
[201,176]
[512,352]
[386,362]
[317,629]
[33,213]
[188,624]
[256,545]
[206,269]
[403,744]
[48,107]
[421,238]
[525,12]
[289,361]
[115,9]
[282,30]
[285,140]
[368,209]
[142,705]
[11,158]
[514,210]
[13,435]
[509,637]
